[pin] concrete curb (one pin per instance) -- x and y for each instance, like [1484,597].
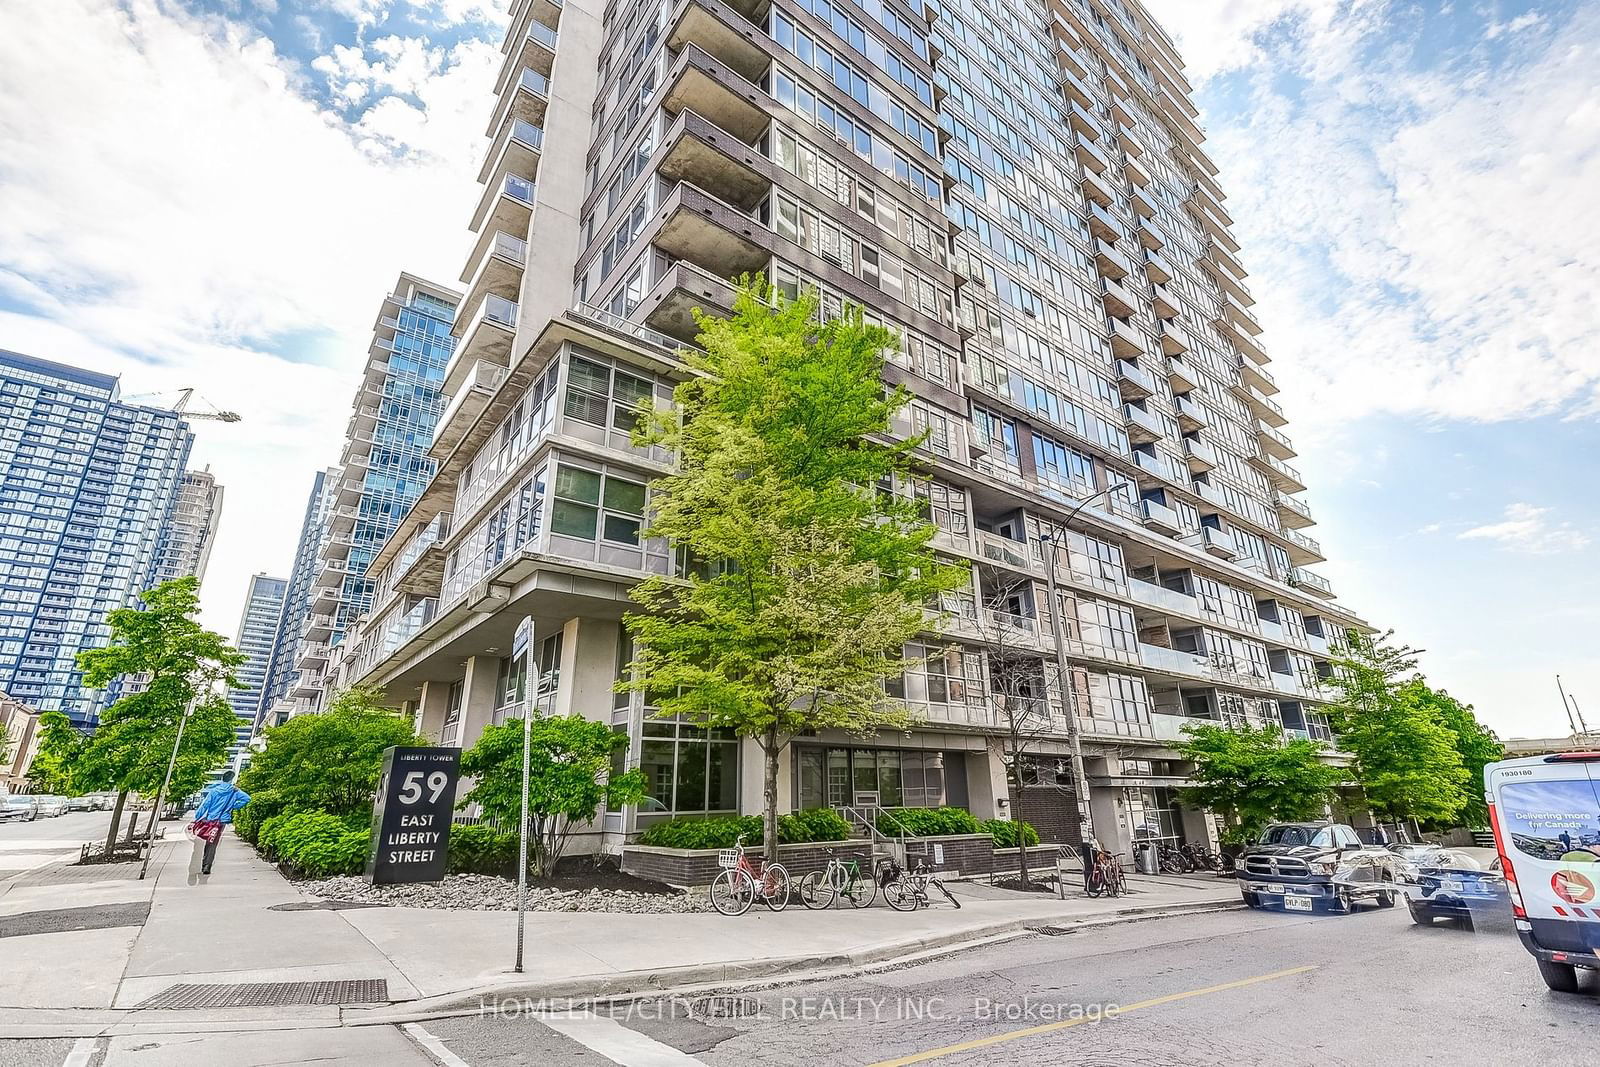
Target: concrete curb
[771,971]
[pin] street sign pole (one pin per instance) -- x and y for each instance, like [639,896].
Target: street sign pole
[172,761]
[519,647]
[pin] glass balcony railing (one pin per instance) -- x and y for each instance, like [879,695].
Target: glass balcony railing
[498,309]
[1301,578]
[1299,507]
[538,31]
[519,188]
[529,134]
[509,247]
[533,81]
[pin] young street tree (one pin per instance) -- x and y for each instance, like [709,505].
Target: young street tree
[1474,742]
[805,582]
[571,777]
[1252,776]
[184,663]
[60,745]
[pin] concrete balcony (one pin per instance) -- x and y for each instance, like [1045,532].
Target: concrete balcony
[507,207]
[528,98]
[1307,582]
[307,685]
[485,335]
[701,153]
[1151,235]
[1275,443]
[1091,157]
[1133,382]
[1181,376]
[1303,549]
[337,546]
[1159,517]
[1283,477]
[1121,113]
[1144,427]
[700,83]
[1075,89]
[1242,340]
[1097,189]
[516,150]
[1126,342]
[1129,141]
[326,599]
[1157,267]
[317,627]
[1154,469]
[1240,314]
[1143,203]
[1110,262]
[1085,124]
[535,49]
[1165,302]
[670,304]
[1163,600]
[1104,225]
[1211,494]
[1261,406]
[363,419]
[710,233]
[1257,377]
[466,404]
[1200,456]
[1231,267]
[724,34]
[1292,512]
[1174,339]
[312,653]
[342,519]
[1136,172]
[495,266]
[1191,416]
[333,571]
[1118,299]
[1219,543]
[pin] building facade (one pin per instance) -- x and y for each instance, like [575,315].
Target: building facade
[257,635]
[20,726]
[187,538]
[283,668]
[383,468]
[1018,189]
[87,484]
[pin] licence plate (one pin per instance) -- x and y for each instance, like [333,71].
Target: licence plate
[1296,902]
[1276,889]
[1450,885]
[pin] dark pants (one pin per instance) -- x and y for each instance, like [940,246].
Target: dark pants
[210,855]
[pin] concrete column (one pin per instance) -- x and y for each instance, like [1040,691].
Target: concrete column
[431,706]
[588,668]
[1108,807]
[478,697]
[752,776]
[986,782]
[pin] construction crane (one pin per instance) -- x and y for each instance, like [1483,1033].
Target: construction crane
[182,406]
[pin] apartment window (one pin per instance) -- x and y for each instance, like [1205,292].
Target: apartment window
[589,504]
[450,732]
[601,395]
[688,768]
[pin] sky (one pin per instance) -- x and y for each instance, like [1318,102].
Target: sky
[218,193]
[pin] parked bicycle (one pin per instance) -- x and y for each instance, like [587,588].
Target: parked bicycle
[1172,860]
[1202,858]
[907,889]
[841,878]
[743,882]
[1105,876]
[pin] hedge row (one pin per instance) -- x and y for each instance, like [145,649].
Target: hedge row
[940,822]
[801,827]
[314,844]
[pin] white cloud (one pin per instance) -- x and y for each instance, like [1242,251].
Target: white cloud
[1525,528]
[173,206]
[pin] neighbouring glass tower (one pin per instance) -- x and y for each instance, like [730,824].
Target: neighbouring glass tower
[258,630]
[276,702]
[189,535]
[1018,189]
[383,468]
[87,484]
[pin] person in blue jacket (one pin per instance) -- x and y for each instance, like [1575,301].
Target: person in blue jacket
[217,805]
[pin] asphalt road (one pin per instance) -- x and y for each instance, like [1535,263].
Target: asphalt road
[73,826]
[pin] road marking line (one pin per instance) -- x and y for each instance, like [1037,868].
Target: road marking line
[1046,1028]
[435,1046]
[82,1052]
[616,1042]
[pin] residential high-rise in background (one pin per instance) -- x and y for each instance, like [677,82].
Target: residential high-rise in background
[258,627]
[1017,188]
[87,484]
[283,667]
[383,468]
[192,529]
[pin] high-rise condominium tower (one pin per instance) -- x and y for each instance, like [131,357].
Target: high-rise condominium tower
[283,667]
[87,484]
[258,629]
[1018,188]
[192,529]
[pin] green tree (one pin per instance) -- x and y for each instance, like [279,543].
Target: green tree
[1406,760]
[572,774]
[1253,776]
[60,746]
[1474,742]
[185,664]
[328,762]
[804,583]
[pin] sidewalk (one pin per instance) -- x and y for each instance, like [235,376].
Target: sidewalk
[223,930]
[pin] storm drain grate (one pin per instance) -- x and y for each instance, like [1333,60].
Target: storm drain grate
[271,994]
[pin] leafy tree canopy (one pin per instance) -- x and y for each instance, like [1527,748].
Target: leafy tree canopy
[60,746]
[1253,776]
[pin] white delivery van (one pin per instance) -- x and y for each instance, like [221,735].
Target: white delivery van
[1545,811]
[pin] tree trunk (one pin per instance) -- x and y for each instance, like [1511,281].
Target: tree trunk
[116,818]
[133,824]
[1016,819]
[769,795]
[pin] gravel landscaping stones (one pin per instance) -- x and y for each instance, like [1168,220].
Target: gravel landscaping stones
[482,892]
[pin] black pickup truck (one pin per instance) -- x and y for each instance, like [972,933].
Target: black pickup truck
[1310,865]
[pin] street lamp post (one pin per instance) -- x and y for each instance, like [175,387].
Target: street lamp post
[1074,734]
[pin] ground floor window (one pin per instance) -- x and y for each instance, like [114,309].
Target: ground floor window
[1154,812]
[832,777]
[688,769]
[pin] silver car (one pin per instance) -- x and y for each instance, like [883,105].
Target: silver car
[51,807]
[21,806]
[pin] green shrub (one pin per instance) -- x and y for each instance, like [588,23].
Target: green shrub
[316,844]
[249,820]
[926,822]
[1004,832]
[482,850]
[815,824]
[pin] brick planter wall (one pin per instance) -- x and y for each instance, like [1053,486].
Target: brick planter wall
[697,867]
[1039,858]
[966,854]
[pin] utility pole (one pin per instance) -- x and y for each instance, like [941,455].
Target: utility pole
[172,761]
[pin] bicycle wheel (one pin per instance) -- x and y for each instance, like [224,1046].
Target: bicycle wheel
[900,895]
[732,892]
[951,897]
[775,887]
[816,890]
[1095,884]
[861,891]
